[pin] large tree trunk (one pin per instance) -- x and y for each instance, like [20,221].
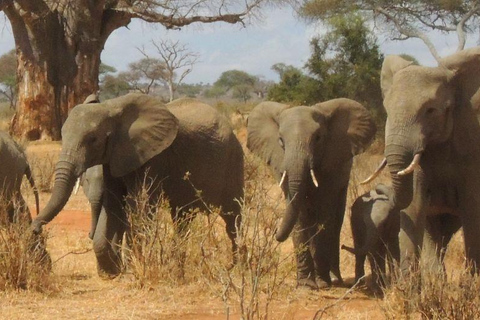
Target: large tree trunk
[58,58]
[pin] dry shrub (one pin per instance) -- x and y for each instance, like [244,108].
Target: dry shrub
[434,295]
[24,261]
[43,170]
[158,254]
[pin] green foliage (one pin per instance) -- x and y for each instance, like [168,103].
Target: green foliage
[347,63]
[113,86]
[214,92]
[294,86]
[240,83]
[403,19]
[232,78]
[190,90]
[8,79]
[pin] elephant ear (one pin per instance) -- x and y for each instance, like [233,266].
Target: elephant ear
[262,139]
[391,65]
[465,78]
[350,130]
[145,128]
[465,65]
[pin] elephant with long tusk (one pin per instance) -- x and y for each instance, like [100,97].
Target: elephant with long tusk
[310,151]
[432,146]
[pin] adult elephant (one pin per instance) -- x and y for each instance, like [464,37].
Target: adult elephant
[14,167]
[433,132]
[137,138]
[310,151]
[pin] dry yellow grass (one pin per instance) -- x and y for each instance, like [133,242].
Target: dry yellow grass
[207,290]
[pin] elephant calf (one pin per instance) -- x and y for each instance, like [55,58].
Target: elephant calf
[375,231]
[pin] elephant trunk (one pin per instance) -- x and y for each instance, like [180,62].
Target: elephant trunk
[401,150]
[62,189]
[295,194]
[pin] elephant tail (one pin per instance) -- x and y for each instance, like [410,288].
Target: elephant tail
[348,249]
[28,174]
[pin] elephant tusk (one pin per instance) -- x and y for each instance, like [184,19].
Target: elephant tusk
[77,186]
[415,163]
[376,173]
[283,178]
[315,182]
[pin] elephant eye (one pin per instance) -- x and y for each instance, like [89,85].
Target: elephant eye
[281,143]
[430,111]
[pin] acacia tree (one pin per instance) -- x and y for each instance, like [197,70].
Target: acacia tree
[59,42]
[405,19]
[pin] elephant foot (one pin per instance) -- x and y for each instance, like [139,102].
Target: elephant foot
[307,283]
[322,284]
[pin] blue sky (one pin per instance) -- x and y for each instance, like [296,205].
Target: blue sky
[278,37]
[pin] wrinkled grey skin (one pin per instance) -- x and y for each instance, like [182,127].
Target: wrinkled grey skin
[137,138]
[375,233]
[94,188]
[431,112]
[14,167]
[299,140]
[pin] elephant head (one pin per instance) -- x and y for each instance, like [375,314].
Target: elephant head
[121,133]
[428,106]
[302,143]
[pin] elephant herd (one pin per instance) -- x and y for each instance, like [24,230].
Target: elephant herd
[432,150]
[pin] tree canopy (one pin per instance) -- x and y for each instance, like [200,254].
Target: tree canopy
[8,77]
[405,19]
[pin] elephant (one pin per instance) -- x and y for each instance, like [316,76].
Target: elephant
[375,233]
[432,148]
[14,167]
[310,151]
[179,148]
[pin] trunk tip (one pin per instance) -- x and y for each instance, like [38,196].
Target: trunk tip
[281,237]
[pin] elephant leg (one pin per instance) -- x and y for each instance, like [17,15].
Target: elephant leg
[112,223]
[412,225]
[359,266]
[301,236]
[377,264]
[439,231]
[22,213]
[181,221]
[233,222]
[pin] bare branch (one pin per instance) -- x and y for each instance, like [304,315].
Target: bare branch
[462,37]
[409,32]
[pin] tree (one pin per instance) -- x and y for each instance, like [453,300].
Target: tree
[113,86]
[145,74]
[7,77]
[59,42]
[175,57]
[239,82]
[214,92]
[405,19]
[294,87]
[347,63]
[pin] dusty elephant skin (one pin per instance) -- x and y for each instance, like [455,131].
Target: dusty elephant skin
[94,188]
[433,151]
[375,233]
[137,138]
[310,151]
[14,167]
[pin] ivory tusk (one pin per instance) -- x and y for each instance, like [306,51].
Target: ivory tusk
[412,166]
[77,186]
[315,182]
[283,178]
[376,173]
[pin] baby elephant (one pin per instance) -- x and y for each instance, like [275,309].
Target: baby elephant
[375,231]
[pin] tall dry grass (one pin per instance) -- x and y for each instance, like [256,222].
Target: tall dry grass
[24,261]
[160,255]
